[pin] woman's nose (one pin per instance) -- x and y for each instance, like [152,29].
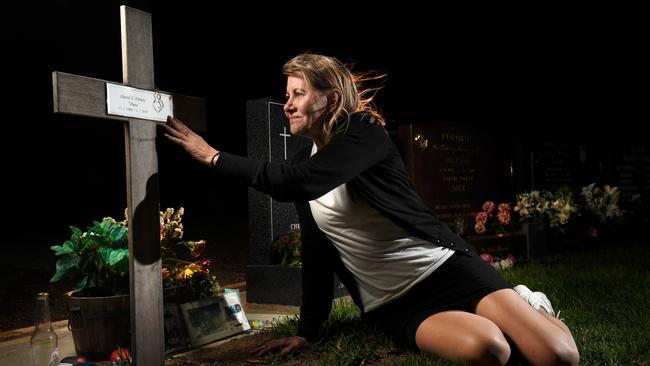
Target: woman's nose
[288,107]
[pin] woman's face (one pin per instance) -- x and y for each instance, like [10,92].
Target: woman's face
[303,107]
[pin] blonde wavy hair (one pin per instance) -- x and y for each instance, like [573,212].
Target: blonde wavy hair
[326,74]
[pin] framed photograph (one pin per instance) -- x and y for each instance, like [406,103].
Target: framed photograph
[210,319]
[175,331]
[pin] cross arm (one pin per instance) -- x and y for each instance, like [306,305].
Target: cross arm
[84,96]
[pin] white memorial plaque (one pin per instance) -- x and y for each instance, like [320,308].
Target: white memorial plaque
[138,103]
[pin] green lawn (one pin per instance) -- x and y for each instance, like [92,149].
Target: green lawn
[603,296]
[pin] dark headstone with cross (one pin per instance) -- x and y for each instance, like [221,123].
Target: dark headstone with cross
[269,139]
[83,96]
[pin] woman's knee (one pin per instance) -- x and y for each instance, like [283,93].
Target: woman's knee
[463,337]
[565,352]
[558,351]
[488,348]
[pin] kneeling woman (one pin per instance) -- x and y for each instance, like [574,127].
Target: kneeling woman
[362,219]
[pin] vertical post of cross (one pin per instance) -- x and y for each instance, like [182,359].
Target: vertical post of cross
[147,326]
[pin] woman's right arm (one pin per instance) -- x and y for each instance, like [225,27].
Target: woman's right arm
[349,154]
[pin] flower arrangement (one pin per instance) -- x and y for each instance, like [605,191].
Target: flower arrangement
[532,206]
[557,207]
[193,271]
[602,203]
[286,248]
[498,262]
[562,208]
[97,260]
[489,222]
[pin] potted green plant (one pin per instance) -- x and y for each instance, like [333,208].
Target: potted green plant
[97,260]
[97,263]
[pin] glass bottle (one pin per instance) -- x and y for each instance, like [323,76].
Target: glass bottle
[44,342]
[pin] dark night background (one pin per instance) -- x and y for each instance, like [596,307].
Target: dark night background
[526,71]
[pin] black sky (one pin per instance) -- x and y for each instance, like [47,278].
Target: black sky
[530,69]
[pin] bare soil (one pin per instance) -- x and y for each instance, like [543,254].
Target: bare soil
[239,352]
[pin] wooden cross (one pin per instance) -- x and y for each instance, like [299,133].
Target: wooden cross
[78,95]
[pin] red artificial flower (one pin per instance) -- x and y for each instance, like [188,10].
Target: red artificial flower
[121,354]
[205,265]
[165,273]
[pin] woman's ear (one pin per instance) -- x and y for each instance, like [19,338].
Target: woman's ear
[333,99]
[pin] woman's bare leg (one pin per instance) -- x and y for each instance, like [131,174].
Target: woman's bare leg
[463,337]
[542,339]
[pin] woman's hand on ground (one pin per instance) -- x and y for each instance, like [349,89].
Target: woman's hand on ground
[288,345]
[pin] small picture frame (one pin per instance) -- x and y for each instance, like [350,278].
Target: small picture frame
[175,330]
[208,320]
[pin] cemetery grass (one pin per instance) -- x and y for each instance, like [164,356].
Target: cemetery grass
[603,295]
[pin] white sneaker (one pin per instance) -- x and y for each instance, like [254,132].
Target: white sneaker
[536,299]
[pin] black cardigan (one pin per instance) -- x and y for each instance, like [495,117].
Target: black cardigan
[363,156]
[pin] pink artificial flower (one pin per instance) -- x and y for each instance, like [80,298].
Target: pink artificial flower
[504,207]
[487,257]
[479,228]
[481,217]
[511,258]
[504,217]
[488,207]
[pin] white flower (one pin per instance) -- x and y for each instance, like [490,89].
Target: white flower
[602,203]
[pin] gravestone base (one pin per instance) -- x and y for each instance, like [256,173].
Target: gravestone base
[536,239]
[500,245]
[274,284]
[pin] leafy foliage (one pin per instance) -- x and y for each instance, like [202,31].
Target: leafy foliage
[96,260]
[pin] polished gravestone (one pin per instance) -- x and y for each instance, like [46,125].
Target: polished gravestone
[455,168]
[269,139]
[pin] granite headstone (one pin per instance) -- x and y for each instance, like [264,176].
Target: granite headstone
[269,139]
[555,165]
[454,169]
